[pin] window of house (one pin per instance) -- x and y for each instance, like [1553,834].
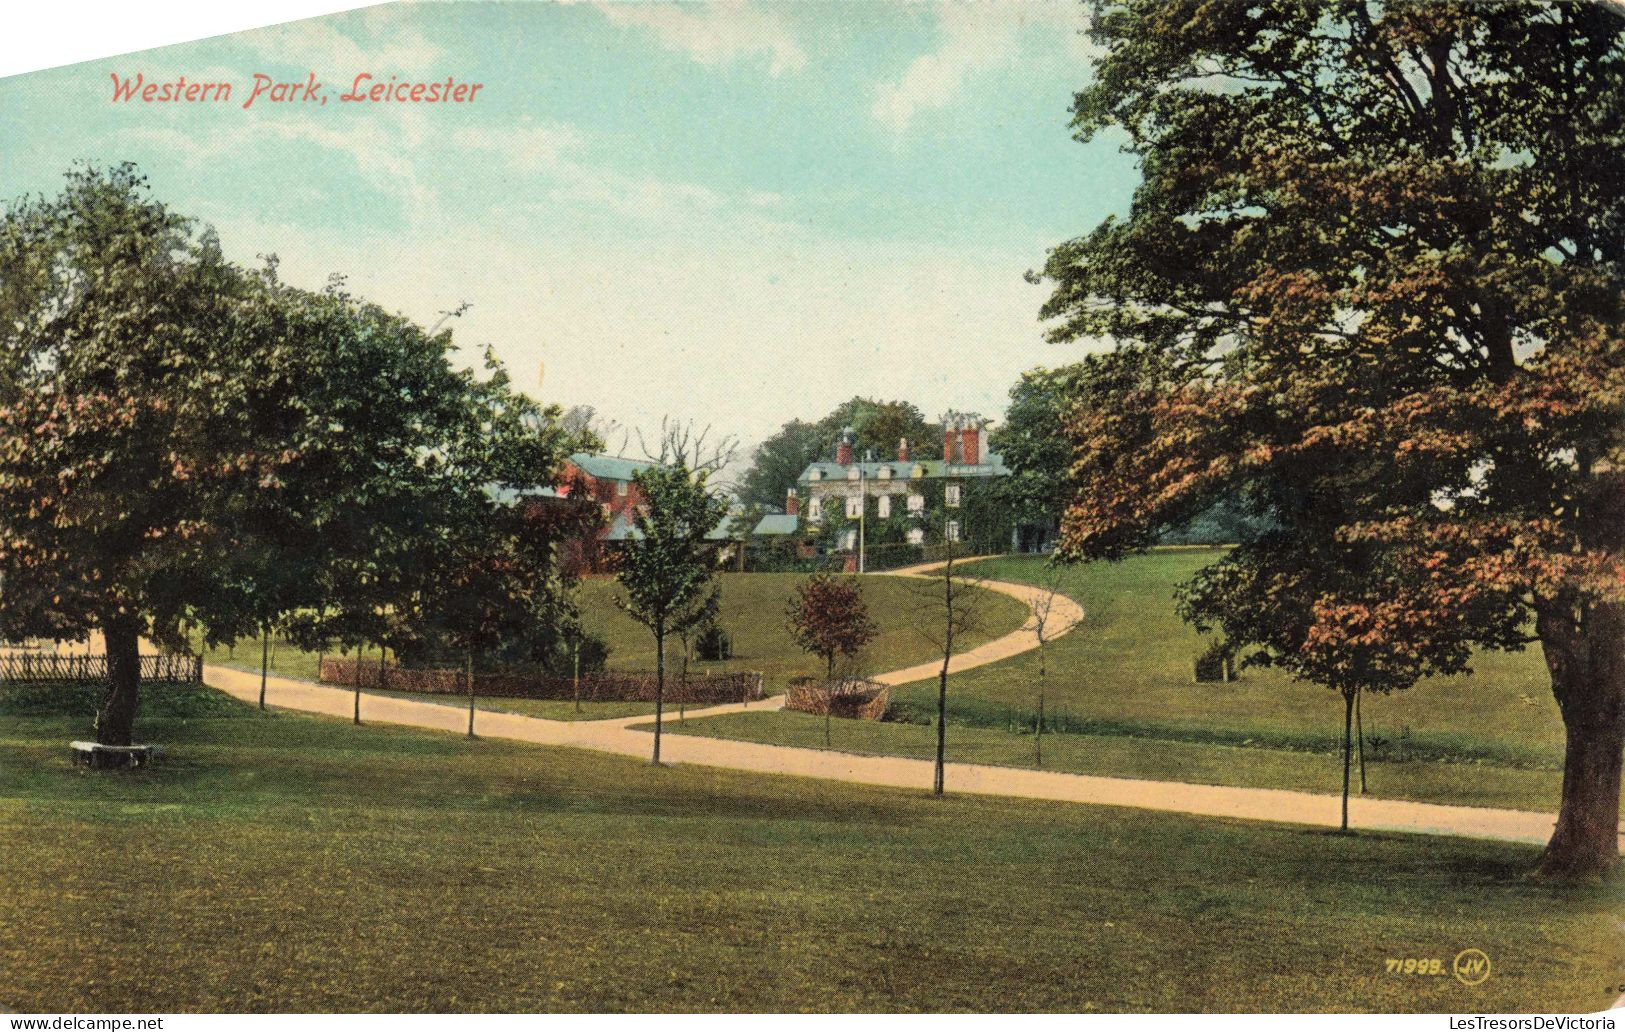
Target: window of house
[953,496]
[885,473]
[885,506]
[849,540]
[916,503]
[620,488]
[815,509]
[953,530]
[854,507]
[916,536]
[816,474]
[852,474]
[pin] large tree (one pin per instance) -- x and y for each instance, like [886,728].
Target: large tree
[1372,284]
[184,442]
[122,420]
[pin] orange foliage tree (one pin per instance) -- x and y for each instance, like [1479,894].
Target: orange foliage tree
[1372,283]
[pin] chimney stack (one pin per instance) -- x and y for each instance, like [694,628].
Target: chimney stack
[902,450]
[949,426]
[969,439]
[792,504]
[843,451]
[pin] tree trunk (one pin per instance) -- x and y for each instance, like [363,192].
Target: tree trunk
[357,717]
[115,723]
[575,677]
[1348,750]
[1587,665]
[1359,738]
[1038,739]
[660,689]
[942,726]
[265,659]
[469,667]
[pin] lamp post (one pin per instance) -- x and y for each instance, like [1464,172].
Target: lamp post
[863,514]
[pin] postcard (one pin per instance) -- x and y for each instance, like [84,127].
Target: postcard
[1012,508]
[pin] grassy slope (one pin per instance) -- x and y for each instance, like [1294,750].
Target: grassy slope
[1129,664]
[752,611]
[1125,675]
[753,607]
[279,862]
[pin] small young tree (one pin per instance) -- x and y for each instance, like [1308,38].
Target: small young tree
[952,611]
[828,617]
[1043,604]
[667,568]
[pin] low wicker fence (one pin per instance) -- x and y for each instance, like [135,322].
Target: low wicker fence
[37,668]
[604,686]
[853,698]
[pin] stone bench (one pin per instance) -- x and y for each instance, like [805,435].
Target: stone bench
[112,757]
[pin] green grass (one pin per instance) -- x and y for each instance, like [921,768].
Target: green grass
[274,862]
[753,606]
[1433,781]
[547,709]
[1120,687]
[1127,670]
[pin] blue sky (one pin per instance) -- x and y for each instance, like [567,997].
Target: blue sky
[732,213]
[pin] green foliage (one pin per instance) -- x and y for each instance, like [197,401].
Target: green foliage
[1034,446]
[713,644]
[879,425]
[184,443]
[1372,286]
[667,569]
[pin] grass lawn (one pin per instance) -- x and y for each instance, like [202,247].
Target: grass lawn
[752,612]
[275,862]
[1432,781]
[1127,670]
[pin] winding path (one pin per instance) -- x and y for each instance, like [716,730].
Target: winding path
[619,736]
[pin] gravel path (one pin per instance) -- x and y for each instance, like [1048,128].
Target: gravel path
[618,736]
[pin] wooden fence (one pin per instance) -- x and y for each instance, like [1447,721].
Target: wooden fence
[604,686]
[37,668]
[854,698]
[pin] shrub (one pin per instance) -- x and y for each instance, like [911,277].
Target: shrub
[714,644]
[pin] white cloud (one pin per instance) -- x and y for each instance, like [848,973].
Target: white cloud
[714,33]
[735,330]
[554,153]
[975,37]
[322,47]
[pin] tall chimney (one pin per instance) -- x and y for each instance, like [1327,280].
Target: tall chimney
[843,451]
[902,450]
[948,429]
[792,504]
[968,442]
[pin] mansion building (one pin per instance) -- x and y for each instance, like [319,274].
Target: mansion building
[905,498]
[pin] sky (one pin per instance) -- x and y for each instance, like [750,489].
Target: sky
[729,213]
